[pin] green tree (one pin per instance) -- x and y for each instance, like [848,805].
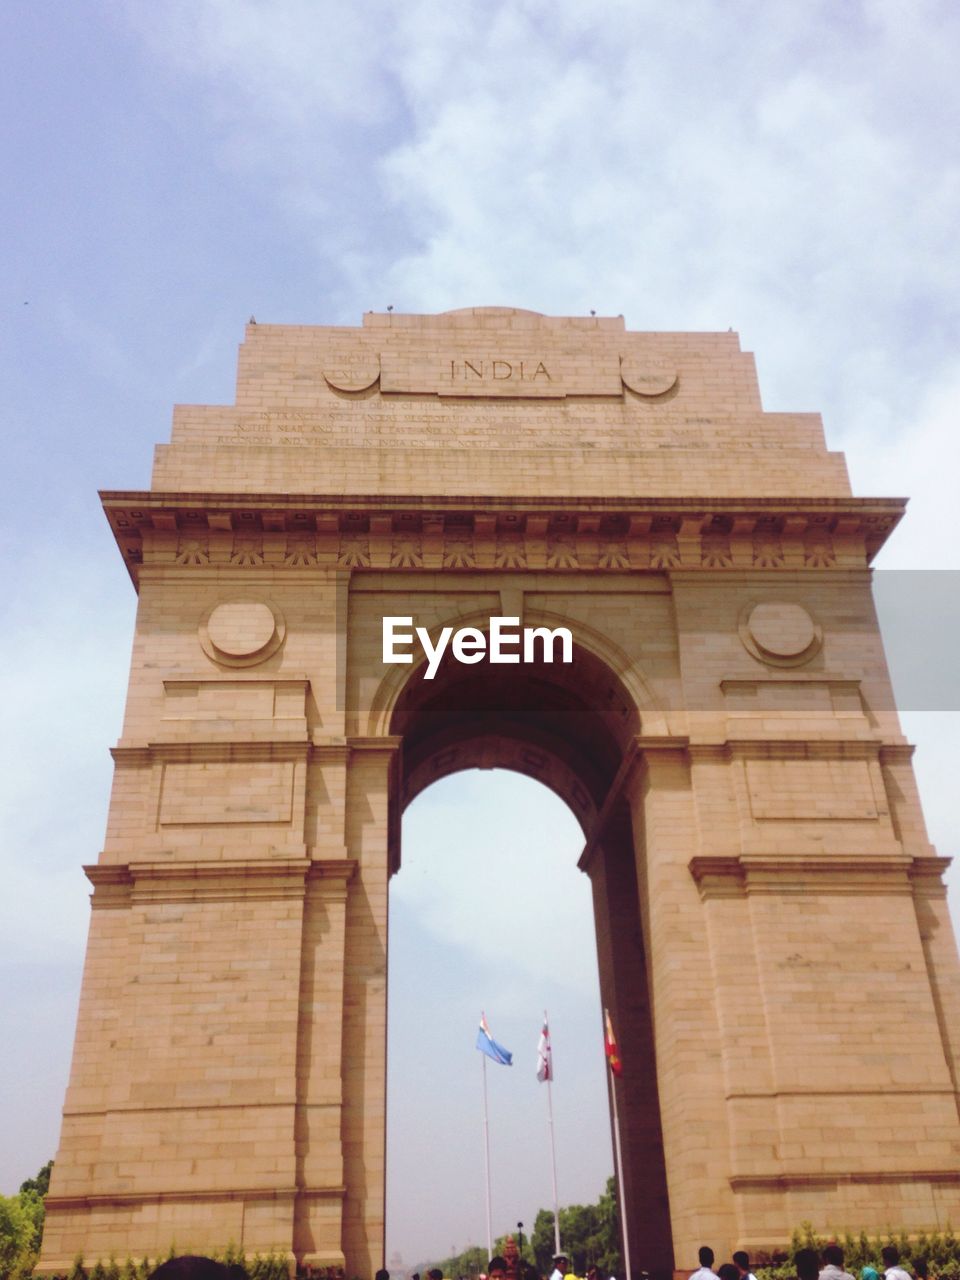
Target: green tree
[608,1260]
[18,1232]
[543,1241]
[41,1183]
[470,1262]
[589,1235]
[21,1226]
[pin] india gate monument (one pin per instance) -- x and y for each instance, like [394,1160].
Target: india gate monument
[638,588]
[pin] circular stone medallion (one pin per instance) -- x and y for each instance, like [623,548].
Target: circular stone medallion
[647,378]
[780,633]
[353,371]
[241,633]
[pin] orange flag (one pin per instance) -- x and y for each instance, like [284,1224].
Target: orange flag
[610,1046]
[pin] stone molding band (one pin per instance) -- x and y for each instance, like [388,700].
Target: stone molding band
[740,875]
[242,749]
[789,1181]
[103,1199]
[235,532]
[121,884]
[143,1110]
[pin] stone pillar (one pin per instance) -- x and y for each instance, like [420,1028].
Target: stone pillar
[371,787]
[318,1220]
[624,989]
[179,1123]
[688,1047]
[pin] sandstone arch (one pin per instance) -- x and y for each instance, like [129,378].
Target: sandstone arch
[737,766]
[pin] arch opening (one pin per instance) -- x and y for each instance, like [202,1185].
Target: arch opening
[569,727]
[489,913]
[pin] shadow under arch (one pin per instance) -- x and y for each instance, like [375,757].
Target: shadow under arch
[624,680]
[571,726]
[567,725]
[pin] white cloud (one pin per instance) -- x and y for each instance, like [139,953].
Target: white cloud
[785,169]
[66,638]
[921,461]
[781,169]
[477,873]
[288,66]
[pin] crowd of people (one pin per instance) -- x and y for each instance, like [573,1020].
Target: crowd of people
[811,1265]
[499,1269]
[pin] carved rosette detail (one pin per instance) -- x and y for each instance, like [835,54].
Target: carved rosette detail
[664,553]
[767,553]
[614,555]
[511,553]
[407,554]
[461,552]
[193,550]
[458,553]
[301,552]
[247,550]
[819,553]
[354,552]
[715,552]
[567,542]
[562,554]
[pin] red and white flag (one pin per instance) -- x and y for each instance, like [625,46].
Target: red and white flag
[610,1046]
[544,1055]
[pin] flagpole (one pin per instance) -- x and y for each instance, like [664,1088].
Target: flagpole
[619,1155]
[486,1158]
[553,1150]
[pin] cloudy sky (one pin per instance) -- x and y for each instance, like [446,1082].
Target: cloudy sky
[786,169]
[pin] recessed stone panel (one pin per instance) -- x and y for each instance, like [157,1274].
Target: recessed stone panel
[805,789]
[502,371]
[219,794]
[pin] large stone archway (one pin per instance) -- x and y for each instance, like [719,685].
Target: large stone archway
[771,919]
[576,729]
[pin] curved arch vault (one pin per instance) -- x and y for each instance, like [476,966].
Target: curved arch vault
[725,733]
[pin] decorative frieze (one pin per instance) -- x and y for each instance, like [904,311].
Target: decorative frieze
[586,533]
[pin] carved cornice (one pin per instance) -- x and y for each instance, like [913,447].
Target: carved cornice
[927,875]
[739,875]
[210,752]
[107,1198]
[390,743]
[787,749]
[290,533]
[190,881]
[787,1181]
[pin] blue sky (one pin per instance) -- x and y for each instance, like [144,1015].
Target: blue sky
[786,169]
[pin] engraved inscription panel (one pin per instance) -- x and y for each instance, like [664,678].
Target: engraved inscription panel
[505,372]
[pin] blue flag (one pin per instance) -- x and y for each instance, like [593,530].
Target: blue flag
[486,1044]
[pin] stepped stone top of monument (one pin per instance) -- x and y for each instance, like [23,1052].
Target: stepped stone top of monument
[496,401]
